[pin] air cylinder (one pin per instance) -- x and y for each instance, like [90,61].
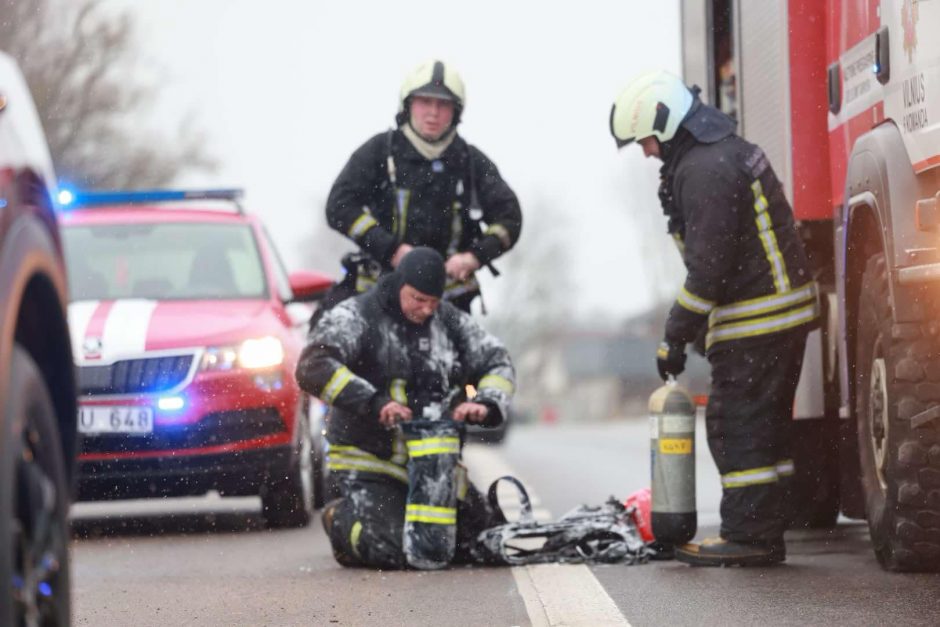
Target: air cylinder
[672,454]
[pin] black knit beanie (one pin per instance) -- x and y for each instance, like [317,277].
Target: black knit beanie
[423,269]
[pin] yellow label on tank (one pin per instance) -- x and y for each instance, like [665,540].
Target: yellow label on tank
[675,446]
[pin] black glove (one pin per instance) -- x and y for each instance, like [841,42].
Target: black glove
[670,359]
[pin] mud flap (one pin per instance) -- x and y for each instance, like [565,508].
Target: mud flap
[430,532]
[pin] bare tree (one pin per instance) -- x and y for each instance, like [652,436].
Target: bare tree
[322,248]
[532,295]
[80,61]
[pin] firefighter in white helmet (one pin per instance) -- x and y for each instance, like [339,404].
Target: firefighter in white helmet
[421,184]
[748,289]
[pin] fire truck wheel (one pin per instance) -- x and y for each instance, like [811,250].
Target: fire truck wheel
[288,501]
[34,500]
[897,377]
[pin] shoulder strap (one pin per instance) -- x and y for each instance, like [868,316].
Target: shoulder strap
[389,159]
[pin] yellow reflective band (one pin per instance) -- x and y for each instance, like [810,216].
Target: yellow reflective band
[768,238]
[352,458]
[763,222]
[431,514]
[785,468]
[753,476]
[336,384]
[362,224]
[763,305]
[400,220]
[396,390]
[364,284]
[695,304]
[675,446]
[399,451]
[777,267]
[662,352]
[463,483]
[499,231]
[433,446]
[762,326]
[679,243]
[354,534]
[497,382]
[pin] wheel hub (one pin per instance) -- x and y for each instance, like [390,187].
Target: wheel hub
[34,540]
[878,422]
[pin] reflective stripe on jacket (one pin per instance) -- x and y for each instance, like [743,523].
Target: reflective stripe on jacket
[747,272]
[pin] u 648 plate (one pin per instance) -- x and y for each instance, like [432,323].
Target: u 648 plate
[115,419]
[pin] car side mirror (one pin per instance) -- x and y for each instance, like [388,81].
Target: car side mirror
[309,286]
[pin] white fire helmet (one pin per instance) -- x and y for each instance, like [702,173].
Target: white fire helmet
[653,105]
[435,79]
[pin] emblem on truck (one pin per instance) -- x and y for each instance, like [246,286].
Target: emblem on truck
[909,17]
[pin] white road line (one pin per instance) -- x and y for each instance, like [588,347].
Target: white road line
[554,594]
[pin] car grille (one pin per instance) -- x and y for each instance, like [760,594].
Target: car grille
[217,428]
[135,376]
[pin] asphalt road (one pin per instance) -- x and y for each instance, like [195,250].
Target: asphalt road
[209,561]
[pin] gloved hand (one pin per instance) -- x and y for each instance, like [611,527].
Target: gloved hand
[670,359]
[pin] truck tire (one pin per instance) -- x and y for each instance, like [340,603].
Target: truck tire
[896,375]
[34,501]
[287,501]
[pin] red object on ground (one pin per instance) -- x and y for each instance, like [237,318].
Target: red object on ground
[642,500]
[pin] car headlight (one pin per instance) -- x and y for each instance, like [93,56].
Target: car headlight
[254,354]
[264,352]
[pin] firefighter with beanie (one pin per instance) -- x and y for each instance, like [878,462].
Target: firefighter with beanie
[748,289]
[395,353]
[421,184]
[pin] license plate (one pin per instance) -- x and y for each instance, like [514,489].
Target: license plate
[115,419]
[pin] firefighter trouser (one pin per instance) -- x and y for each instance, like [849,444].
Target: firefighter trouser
[366,522]
[748,424]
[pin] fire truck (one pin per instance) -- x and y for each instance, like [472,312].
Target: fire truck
[844,97]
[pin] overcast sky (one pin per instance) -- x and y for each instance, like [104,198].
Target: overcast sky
[287,89]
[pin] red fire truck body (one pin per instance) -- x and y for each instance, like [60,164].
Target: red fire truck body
[844,97]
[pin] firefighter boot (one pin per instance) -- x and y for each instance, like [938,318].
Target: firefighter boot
[328,518]
[721,552]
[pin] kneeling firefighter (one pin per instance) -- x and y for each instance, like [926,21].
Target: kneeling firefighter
[748,288]
[399,355]
[422,184]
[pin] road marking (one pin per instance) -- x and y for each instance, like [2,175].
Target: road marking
[565,594]
[554,594]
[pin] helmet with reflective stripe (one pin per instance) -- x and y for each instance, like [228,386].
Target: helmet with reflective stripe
[436,80]
[653,105]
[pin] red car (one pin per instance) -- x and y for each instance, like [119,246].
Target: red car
[186,345]
[37,386]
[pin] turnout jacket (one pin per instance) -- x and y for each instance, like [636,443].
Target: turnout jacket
[389,194]
[363,353]
[747,272]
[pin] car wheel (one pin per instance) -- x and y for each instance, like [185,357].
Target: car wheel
[34,498]
[894,362]
[288,501]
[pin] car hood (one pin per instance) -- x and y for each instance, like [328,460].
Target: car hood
[105,331]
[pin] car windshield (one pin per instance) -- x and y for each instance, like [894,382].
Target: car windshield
[175,261]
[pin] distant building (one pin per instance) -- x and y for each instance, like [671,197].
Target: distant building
[583,375]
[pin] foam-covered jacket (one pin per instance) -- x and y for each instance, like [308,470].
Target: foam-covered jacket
[363,353]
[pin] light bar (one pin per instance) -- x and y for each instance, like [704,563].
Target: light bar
[147,196]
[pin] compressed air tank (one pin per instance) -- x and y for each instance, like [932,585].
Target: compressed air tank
[672,454]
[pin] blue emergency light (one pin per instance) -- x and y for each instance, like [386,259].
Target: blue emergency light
[77,200]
